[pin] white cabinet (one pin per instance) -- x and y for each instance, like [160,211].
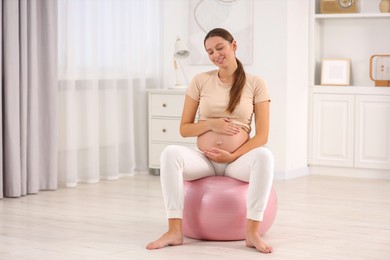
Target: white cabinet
[350,131]
[165,109]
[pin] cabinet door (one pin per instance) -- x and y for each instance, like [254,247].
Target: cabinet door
[372,132]
[333,123]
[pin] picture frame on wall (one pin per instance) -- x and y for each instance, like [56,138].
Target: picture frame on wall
[335,72]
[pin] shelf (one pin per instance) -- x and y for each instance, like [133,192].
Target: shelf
[359,90]
[356,36]
[354,15]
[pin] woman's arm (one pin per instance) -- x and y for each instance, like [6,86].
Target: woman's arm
[188,127]
[259,139]
[261,130]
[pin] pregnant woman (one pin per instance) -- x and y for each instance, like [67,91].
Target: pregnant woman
[226,99]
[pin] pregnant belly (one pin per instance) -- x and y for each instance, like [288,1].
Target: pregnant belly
[228,143]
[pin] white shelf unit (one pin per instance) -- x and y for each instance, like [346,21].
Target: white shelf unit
[355,36]
[349,126]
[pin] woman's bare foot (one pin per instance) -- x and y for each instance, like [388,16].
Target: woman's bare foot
[254,240]
[170,238]
[173,237]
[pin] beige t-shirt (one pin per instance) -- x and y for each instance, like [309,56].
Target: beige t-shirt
[213,97]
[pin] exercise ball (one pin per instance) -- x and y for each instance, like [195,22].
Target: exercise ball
[215,209]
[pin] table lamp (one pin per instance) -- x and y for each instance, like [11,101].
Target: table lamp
[181,52]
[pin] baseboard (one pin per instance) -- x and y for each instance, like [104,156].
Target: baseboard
[350,172]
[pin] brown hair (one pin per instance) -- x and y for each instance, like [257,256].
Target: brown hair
[239,74]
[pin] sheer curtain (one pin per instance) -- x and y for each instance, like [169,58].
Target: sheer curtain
[109,54]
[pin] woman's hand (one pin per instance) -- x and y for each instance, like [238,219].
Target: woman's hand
[223,126]
[218,155]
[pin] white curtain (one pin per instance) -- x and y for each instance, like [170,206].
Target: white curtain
[109,54]
[28,97]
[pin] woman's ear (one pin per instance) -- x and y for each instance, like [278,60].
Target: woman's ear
[234,45]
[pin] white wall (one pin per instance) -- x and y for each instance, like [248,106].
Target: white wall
[297,88]
[280,56]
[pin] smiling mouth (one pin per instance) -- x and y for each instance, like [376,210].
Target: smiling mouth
[219,60]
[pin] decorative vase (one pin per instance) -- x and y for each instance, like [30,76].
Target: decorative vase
[384,6]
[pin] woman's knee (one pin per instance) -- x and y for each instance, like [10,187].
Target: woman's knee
[264,155]
[170,152]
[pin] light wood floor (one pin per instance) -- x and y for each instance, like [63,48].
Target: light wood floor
[318,218]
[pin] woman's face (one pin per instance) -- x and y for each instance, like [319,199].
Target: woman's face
[221,52]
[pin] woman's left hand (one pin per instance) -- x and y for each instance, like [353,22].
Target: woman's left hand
[218,155]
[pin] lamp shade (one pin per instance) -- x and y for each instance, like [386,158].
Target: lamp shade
[181,50]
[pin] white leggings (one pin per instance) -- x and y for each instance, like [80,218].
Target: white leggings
[180,163]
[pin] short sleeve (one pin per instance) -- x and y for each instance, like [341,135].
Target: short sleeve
[193,89]
[261,91]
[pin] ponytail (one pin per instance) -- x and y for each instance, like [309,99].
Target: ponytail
[238,86]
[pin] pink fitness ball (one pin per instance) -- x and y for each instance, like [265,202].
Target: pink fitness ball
[215,209]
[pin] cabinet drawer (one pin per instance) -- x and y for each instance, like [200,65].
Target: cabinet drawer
[166,105]
[167,130]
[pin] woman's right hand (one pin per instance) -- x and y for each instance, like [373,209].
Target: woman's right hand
[223,126]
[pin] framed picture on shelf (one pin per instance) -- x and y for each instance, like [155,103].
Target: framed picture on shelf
[335,72]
